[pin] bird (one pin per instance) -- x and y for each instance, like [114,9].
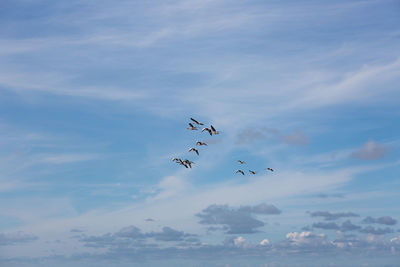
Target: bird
[241,161]
[240,171]
[191,127]
[188,162]
[252,172]
[196,122]
[194,149]
[269,169]
[208,130]
[184,164]
[179,161]
[200,143]
[213,130]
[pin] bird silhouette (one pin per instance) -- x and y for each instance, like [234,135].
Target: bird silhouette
[240,171]
[191,127]
[188,163]
[208,130]
[213,130]
[194,149]
[200,143]
[196,122]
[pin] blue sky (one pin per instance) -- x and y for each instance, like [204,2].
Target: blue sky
[95,99]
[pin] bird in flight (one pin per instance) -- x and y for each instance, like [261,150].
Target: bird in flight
[191,127]
[252,172]
[183,163]
[188,163]
[241,162]
[213,130]
[240,171]
[208,130]
[269,169]
[200,143]
[196,122]
[194,149]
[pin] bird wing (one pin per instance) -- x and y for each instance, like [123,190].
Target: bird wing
[212,128]
[194,121]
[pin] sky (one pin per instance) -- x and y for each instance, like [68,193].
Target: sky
[95,101]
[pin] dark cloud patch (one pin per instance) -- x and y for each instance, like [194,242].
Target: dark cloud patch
[260,209]
[7,239]
[75,230]
[237,220]
[132,236]
[296,138]
[349,226]
[370,151]
[105,240]
[169,234]
[376,231]
[326,226]
[130,232]
[387,220]
[328,216]
[250,135]
[254,134]
[346,226]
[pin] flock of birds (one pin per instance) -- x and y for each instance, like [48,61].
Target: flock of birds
[187,163]
[250,171]
[194,126]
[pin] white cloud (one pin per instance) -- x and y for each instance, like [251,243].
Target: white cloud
[265,242]
[239,241]
[307,239]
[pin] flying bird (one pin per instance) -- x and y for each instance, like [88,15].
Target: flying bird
[208,130]
[241,162]
[200,143]
[194,149]
[240,171]
[191,127]
[196,122]
[183,163]
[213,130]
[269,169]
[180,162]
[188,163]
[252,172]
